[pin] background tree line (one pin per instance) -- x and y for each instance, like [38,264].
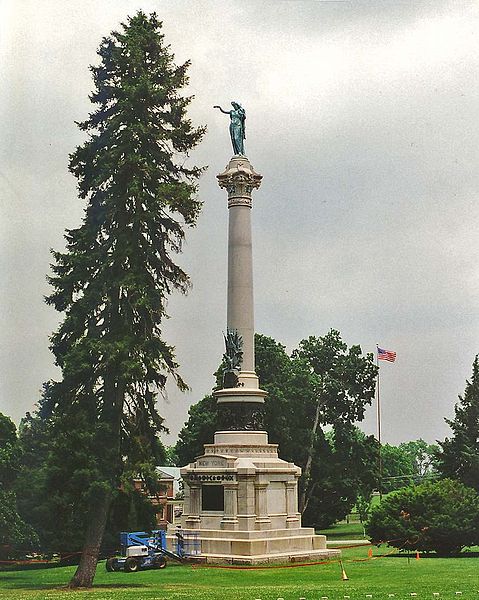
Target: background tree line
[43,507]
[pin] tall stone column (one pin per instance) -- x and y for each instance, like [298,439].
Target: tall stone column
[240,179]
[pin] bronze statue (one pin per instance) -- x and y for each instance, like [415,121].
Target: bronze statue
[237,127]
[233,357]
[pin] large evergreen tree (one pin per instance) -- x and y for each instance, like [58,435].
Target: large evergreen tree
[118,269]
[459,455]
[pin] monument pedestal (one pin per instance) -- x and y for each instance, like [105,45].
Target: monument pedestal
[241,498]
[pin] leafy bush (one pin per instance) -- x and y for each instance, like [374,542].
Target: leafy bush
[442,516]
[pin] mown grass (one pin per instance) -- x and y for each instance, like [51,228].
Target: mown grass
[344,531]
[378,578]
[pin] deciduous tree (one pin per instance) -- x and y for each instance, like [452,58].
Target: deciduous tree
[397,468]
[422,456]
[343,382]
[15,534]
[52,494]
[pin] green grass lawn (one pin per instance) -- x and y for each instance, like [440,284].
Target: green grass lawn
[376,578]
[344,531]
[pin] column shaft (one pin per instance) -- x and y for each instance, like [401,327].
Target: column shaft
[262,517]
[240,179]
[230,520]
[240,315]
[292,517]
[192,505]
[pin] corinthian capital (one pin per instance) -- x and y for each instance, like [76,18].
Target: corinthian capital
[239,179]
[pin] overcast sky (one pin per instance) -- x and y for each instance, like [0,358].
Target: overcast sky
[362,118]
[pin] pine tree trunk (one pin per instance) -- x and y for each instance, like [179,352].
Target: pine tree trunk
[86,570]
[114,394]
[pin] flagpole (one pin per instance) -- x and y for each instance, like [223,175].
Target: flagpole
[378,407]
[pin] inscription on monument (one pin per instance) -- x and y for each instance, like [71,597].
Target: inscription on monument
[208,478]
[246,449]
[211,463]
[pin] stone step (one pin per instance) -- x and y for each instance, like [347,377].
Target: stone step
[279,557]
[254,533]
[264,546]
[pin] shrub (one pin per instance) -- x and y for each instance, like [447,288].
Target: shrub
[442,516]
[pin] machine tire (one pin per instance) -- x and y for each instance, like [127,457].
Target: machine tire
[131,565]
[160,562]
[111,565]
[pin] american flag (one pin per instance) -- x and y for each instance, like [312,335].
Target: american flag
[388,355]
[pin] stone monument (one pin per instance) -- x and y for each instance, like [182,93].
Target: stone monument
[240,497]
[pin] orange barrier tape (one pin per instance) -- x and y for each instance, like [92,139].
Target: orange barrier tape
[64,556]
[392,551]
[32,561]
[257,567]
[309,564]
[23,562]
[343,547]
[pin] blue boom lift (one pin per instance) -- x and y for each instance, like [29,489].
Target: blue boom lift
[143,550]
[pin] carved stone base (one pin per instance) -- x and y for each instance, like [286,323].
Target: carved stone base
[242,500]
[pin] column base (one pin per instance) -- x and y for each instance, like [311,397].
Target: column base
[193,522]
[293,522]
[263,524]
[240,395]
[229,524]
[256,547]
[260,521]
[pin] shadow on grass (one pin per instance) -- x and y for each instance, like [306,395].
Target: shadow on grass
[425,555]
[19,583]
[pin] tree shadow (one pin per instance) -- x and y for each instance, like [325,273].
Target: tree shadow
[19,583]
[425,555]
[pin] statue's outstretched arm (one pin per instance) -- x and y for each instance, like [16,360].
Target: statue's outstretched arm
[227,112]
